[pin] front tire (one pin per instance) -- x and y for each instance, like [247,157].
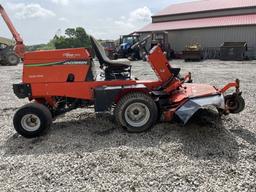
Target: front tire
[137,112]
[32,120]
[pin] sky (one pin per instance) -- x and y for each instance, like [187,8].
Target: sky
[39,20]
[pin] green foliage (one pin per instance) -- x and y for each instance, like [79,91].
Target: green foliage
[74,38]
[48,46]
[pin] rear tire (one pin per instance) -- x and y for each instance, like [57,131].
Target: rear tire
[32,120]
[12,59]
[137,112]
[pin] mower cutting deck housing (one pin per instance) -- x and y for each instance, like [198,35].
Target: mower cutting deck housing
[58,81]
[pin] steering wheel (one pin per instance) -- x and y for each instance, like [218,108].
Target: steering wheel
[142,43]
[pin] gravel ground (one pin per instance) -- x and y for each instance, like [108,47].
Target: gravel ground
[82,153]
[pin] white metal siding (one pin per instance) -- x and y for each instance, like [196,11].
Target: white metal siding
[213,37]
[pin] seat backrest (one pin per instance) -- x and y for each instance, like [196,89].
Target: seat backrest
[99,51]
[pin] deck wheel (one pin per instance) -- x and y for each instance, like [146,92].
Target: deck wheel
[235,103]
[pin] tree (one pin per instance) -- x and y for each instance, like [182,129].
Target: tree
[70,32]
[48,46]
[73,38]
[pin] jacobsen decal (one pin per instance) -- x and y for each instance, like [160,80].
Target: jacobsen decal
[58,63]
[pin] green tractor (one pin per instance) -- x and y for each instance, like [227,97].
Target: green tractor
[8,56]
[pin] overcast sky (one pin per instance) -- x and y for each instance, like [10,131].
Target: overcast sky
[39,20]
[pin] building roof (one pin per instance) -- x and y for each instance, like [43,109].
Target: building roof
[205,5]
[201,23]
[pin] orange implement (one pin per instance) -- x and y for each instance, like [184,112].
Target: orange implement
[63,80]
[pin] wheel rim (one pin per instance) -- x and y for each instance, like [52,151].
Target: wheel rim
[137,114]
[30,122]
[232,104]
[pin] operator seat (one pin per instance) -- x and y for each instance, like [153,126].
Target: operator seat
[103,58]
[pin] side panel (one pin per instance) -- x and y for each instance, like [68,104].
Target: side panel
[105,97]
[72,90]
[56,66]
[51,56]
[57,73]
[80,90]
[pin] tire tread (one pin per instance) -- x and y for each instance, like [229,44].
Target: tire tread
[43,110]
[118,111]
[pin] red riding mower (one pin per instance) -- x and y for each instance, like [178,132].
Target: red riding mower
[59,81]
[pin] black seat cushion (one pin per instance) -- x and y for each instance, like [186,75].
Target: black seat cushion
[103,58]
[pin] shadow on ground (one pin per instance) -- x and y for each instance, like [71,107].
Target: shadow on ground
[246,135]
[205,137]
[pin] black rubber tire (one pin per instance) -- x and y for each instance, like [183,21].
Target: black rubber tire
[235,103]
[41,111]
[129,99]
[12,59]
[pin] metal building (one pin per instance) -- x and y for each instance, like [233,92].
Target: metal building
[207,22]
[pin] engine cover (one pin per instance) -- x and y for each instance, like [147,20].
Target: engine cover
[56,66]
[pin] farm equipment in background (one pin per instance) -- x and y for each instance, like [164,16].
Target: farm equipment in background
[11,54]
[58,81]
[125,44]
[7,55]
[233,51]
[193,52]
[110,48]
[162,39]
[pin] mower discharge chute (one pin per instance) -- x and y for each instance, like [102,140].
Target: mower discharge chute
[58,81]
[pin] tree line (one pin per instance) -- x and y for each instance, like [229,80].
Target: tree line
[73,38]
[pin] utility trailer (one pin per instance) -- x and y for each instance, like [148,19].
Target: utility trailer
[233,51]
